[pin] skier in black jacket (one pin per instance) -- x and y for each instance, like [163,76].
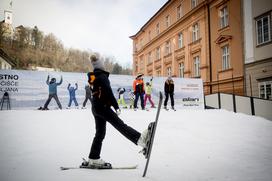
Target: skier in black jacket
[169,88]
[102,101]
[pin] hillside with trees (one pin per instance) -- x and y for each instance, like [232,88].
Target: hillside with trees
[31,47]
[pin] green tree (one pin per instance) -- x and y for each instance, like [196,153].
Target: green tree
[117,69]
[37,37]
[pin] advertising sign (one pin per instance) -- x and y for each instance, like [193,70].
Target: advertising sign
[28,89]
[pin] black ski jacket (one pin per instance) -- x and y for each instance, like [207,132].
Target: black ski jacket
[102,92]
[169,87]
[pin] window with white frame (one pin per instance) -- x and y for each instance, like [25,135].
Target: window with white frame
[181,70]
[179,12]
[158,53]
[180,40]
[224,17]
[225,57]
[167,48]
[195,32]
[149,58]
[167,21]
[265,90]
[196,66]
[193,3]
[263,29]
[158,28]
[169,71]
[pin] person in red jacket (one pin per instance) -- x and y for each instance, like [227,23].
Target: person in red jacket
[169,88]
[138,87]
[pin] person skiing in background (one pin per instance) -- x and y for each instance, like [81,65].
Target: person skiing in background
[72,94]
[88,95]
[169,91]
[138,87]
[148,92]
[52,86]
[103,99]
[131,98]
[121,100]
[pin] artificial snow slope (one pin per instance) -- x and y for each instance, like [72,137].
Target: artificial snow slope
[189,145]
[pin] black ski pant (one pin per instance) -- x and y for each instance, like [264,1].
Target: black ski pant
[167,97]
[55,96]
[105,114]
[141,95]
[85,101]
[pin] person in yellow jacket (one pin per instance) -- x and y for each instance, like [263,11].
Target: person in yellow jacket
[148,92]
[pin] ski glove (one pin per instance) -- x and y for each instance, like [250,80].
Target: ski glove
[118,111]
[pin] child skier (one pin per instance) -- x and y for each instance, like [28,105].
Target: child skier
[148,91]
[131,98]
[121,100]
[52,86]
[102,101]
[72,94]
[88,95]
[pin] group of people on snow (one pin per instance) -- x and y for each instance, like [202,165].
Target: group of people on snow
[143,92]
[52,87]
[140,91]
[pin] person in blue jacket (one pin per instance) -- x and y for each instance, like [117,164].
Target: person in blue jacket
[52,86]
[72,94]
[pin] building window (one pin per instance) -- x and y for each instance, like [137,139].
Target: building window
[141,43]
[158,28]
[158,53]
[265,90]
[167,21]
[180,40]
[141,64]
[167,48]
[158,73]
[149,35]
[263,30]
[224,17]
[195,32]
[225,57]
[169,71]
[179,12]
[193,3]
[135,47]
[181,70]
[196,66]
[149,58]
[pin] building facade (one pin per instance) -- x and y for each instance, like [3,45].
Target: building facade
[193,39]
[258,46]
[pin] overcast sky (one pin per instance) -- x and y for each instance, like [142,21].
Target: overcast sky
[103,26]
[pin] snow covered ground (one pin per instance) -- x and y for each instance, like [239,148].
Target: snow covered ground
[190,145]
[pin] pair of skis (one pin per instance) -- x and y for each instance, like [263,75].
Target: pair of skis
[147,151]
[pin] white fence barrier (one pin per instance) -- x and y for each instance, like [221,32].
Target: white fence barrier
[242,104]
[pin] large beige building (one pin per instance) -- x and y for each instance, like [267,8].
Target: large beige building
[194,39]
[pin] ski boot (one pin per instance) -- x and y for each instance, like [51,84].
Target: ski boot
[145,139]
[95,164]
